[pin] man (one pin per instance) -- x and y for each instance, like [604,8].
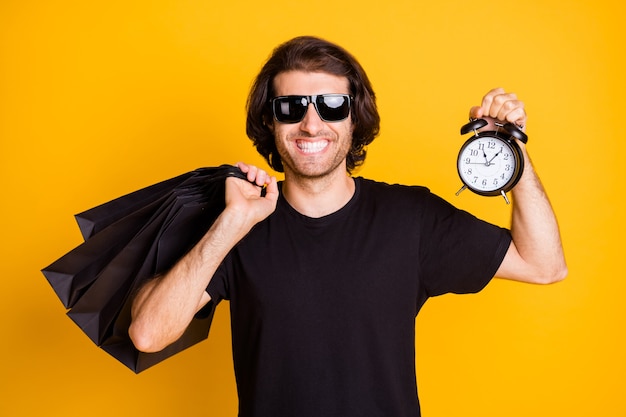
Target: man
[326,273]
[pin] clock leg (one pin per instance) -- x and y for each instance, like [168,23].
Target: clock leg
[505,197]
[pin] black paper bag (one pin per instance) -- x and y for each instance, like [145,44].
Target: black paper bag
[128,241]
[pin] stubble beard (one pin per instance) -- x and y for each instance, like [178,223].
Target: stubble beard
[303,169]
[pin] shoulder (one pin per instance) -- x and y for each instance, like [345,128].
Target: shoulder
[379,187]
[394,194]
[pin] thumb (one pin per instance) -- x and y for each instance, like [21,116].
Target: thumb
[476,112]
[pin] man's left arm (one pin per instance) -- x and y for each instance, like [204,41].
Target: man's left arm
[536,253]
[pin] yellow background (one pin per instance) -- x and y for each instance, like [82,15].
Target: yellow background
[101,98]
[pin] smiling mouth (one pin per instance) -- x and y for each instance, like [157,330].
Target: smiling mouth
[311,147]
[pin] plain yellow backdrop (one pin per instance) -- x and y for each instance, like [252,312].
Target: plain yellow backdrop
[98,99]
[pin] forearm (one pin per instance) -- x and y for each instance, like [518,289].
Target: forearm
[164,307]
[536,252]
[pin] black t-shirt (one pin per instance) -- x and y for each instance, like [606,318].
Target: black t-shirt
[323,309]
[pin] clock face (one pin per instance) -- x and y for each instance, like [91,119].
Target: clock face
[488,164]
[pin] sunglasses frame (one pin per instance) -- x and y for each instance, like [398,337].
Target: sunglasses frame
[312,99]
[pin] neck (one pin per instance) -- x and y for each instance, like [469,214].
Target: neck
[318,197]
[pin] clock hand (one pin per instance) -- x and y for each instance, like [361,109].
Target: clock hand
[499,152]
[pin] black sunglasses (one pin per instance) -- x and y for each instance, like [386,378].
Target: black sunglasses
[330,107]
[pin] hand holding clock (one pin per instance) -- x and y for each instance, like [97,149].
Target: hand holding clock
[536,253]
[497,104]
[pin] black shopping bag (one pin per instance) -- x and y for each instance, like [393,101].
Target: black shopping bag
[128,241]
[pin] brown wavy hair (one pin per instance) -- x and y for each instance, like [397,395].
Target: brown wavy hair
[311,54]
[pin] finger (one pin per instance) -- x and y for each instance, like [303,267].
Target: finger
[502,104]
[254,174]
[476,112]
[516,115]
[488,99]
[261,177]
[242,166]
[257,176]
[271,191]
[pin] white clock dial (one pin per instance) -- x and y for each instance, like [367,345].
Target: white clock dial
[486,164]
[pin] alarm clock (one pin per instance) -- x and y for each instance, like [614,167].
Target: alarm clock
[491,162]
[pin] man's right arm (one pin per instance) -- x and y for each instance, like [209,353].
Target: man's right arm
[165,305]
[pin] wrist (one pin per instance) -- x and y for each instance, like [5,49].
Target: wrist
[231,226]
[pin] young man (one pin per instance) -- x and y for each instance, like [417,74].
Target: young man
[326,273]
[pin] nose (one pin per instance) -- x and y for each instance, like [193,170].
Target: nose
[311,123]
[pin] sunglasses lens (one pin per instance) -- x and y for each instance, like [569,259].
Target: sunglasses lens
[330,107]
[290,109]
[333,107]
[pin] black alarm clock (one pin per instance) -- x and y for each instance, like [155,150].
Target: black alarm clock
[491,162]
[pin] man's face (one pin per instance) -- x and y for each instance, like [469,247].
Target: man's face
[312,148]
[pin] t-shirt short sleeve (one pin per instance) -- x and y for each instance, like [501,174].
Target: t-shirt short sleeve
[459,253]
[218,286]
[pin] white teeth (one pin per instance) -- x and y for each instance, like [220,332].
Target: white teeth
[311,147]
